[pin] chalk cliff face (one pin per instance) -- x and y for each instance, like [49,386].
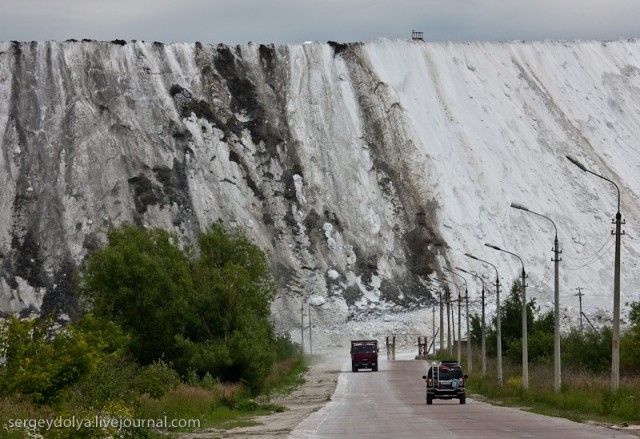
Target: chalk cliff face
[362,169]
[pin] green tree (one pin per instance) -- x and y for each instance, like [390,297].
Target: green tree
[630,342]
[541,337]
[43,363]
[589,351]
[476,329]
[205,311]
[234,289]
[233,283]
[141,281]
[511,325]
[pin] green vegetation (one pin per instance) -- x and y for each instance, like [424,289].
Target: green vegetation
[586,362]
[584,396]
[167,333]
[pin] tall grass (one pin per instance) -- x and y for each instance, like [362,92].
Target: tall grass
[583,395]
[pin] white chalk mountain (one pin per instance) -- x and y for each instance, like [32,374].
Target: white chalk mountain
[362,168]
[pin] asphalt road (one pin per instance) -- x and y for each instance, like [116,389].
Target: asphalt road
[390,403]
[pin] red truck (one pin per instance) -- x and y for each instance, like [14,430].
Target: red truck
[364,355]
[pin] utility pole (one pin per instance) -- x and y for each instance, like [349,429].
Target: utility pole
[450,323]
[557,369]
[433,329]
[310,345]
[615,330]
[483,331]
[460,331]
[449,345]
[498,324]
[498,332]
[302,327]
[441,324]
[466,292]
[580,299]
[469,353]
[484,336]
[525,345]
[453,329]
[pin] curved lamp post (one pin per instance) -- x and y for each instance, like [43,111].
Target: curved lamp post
[498,324]
[450,345]
[483,331]
[525,347]
[466,295]
[557,371]
[615,331]
[448,300]
[441,330]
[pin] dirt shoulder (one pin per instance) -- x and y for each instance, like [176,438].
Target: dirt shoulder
[320,383]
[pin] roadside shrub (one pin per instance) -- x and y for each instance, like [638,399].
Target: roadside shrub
[186,402]
[284,347]
[590,350]
[630,342]
[42,363]
[112,380]
[157,379]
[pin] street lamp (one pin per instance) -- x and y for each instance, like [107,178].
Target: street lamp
[466,294]
[433,333]
[483,331]
[466,298]
[447,299]
[435,352]
[525,347]
[557,371]
[450,316]
[498,324]
[615,332]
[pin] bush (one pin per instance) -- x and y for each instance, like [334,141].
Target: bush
[114,379]
[204,314]
[141,281]
[589,351]
[157,379]
[42,363]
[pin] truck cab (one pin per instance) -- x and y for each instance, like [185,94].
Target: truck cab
[364,355]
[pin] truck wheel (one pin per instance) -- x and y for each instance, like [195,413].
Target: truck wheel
[463,399]
[354,368]
[429,399]
[375,368]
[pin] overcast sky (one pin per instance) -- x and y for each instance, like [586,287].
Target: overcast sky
[296,21]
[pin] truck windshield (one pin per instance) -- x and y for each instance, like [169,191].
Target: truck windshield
[364,348]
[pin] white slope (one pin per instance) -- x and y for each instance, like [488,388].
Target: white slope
[370,162]
[496,121]
[491,124]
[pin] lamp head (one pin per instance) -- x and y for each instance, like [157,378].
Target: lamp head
[519,206]
[495,247]
[469,255]
[575,161]
[461,269]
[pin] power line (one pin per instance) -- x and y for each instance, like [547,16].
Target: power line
[609,238]
[569,267]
